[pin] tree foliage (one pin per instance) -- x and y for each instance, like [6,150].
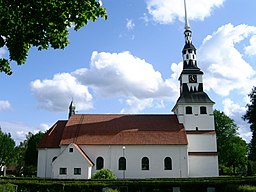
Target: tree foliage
[41,23]
[232,149]
[30,155]
[105,174]
[7,146]
[26,154]
[250,117]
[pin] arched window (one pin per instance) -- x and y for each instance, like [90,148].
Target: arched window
[53,159]
[203,110]
[99,163]
[188,110]
[167,163]
[144,163]
[122,163]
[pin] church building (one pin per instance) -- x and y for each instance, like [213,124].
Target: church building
[176,145]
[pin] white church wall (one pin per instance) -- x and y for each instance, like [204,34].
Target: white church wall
[135,153]
[202,143]
[71,160]
[203,166]
[44,163]
[192,122]
[197,121]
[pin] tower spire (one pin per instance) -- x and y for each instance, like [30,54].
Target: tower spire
[186,17]
[189,51]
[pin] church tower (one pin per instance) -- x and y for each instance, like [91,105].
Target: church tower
[194,110]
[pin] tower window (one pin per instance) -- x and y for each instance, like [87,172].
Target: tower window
[167,163]
[203,110]
[70,150]
[122,163]
[99,163]
[145,163]
[188,110]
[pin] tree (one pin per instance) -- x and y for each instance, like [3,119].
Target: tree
[235,156]
[41,23]
[31,153]
[18,159]
[250,117]
[232,149]
[26,155]
[7,145]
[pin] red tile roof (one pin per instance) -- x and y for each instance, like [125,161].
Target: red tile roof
[52,137]
[112,129]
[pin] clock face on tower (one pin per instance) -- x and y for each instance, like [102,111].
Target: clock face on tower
[192,78]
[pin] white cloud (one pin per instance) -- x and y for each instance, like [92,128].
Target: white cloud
[244,132]
[119,75]
[167,11]
[135,105]
[232,109]
[56,94]
[2,52]
[235,112]
[135,81]
[4,105]
[19,130]
[145,18]
[130,24]
[226,69]
[123,75]
[176,69]
[251,49]
[43,127]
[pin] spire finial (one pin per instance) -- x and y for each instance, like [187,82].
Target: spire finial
[186,16]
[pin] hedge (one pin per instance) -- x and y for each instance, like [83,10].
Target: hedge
[7,187]
[221,184]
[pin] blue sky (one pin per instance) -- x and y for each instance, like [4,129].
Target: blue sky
[130,63]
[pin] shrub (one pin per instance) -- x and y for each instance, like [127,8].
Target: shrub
[110,190]
[105,174]
[247,188]
[7,187]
